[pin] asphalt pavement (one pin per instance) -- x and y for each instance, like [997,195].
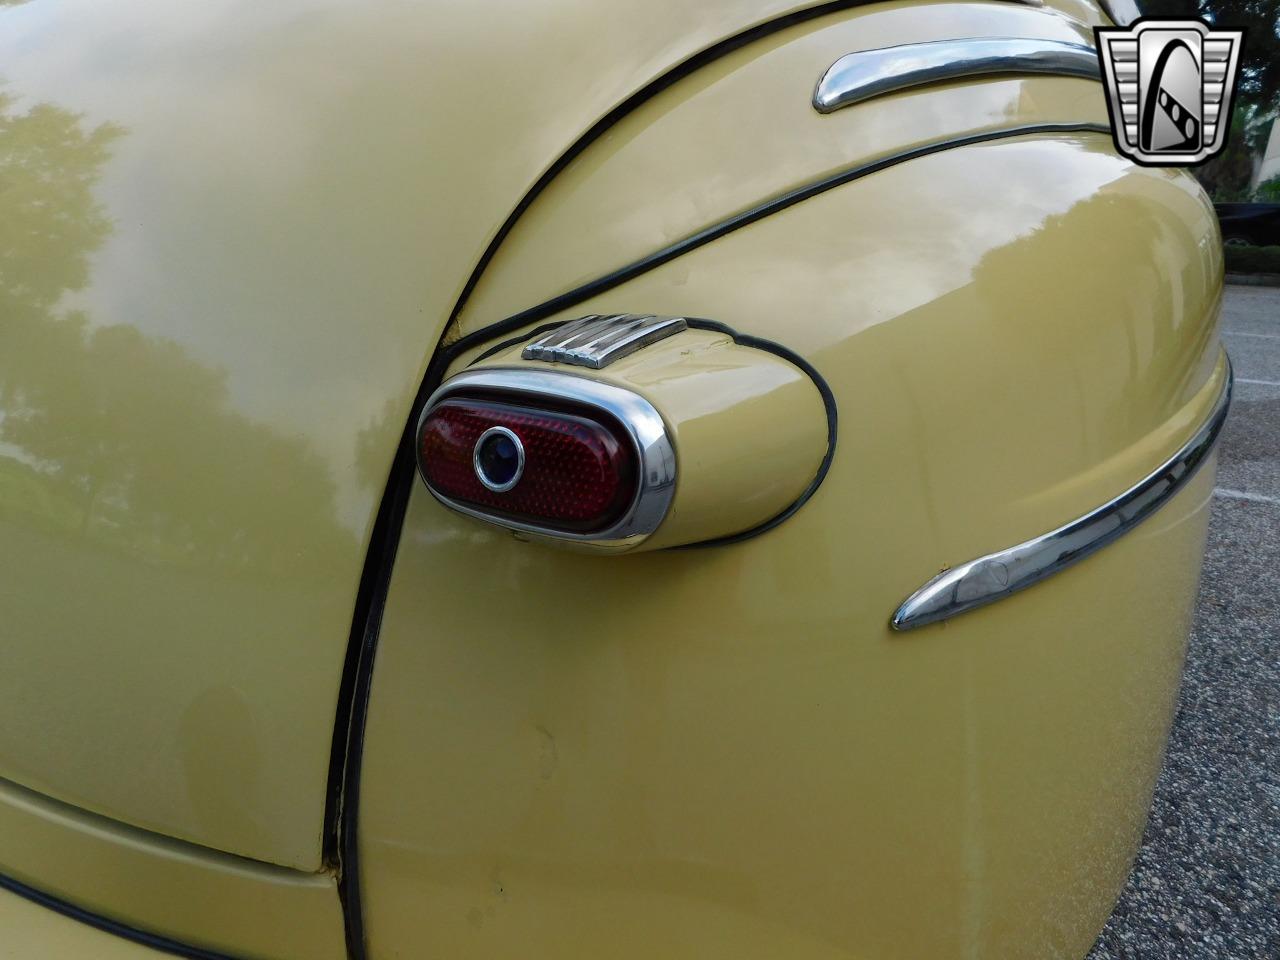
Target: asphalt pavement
[1207,881]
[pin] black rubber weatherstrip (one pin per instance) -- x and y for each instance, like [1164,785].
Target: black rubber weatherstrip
[153,940]
[371,601]
[757,343]
[769,207]
[344,794]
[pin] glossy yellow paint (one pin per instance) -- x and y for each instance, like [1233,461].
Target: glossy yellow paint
[782,783]
[250,223]
[708,390]
[728,752]
[186,893]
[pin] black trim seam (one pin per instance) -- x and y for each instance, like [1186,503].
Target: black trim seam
[153,940]
[373,589]
[769,207]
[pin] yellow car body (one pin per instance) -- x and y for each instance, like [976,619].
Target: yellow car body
[262,696]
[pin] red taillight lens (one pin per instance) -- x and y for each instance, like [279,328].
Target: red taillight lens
[548,468]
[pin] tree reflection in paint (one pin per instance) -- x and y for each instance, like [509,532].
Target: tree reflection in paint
[112,434]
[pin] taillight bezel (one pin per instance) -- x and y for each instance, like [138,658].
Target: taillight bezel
[552,392]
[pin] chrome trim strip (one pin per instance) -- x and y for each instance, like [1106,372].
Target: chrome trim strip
[997,575]
[866,74]
[642,422]
[596,341]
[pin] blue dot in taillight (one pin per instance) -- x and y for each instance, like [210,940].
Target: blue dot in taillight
[499,459]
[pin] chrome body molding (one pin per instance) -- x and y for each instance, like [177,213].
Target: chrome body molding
[597,340]
[999,574]
[860,76]
[644,426]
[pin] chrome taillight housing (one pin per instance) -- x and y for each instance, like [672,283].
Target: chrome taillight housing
[550,454]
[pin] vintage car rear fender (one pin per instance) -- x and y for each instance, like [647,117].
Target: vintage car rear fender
[265,243]
[232,234]
[729,750]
